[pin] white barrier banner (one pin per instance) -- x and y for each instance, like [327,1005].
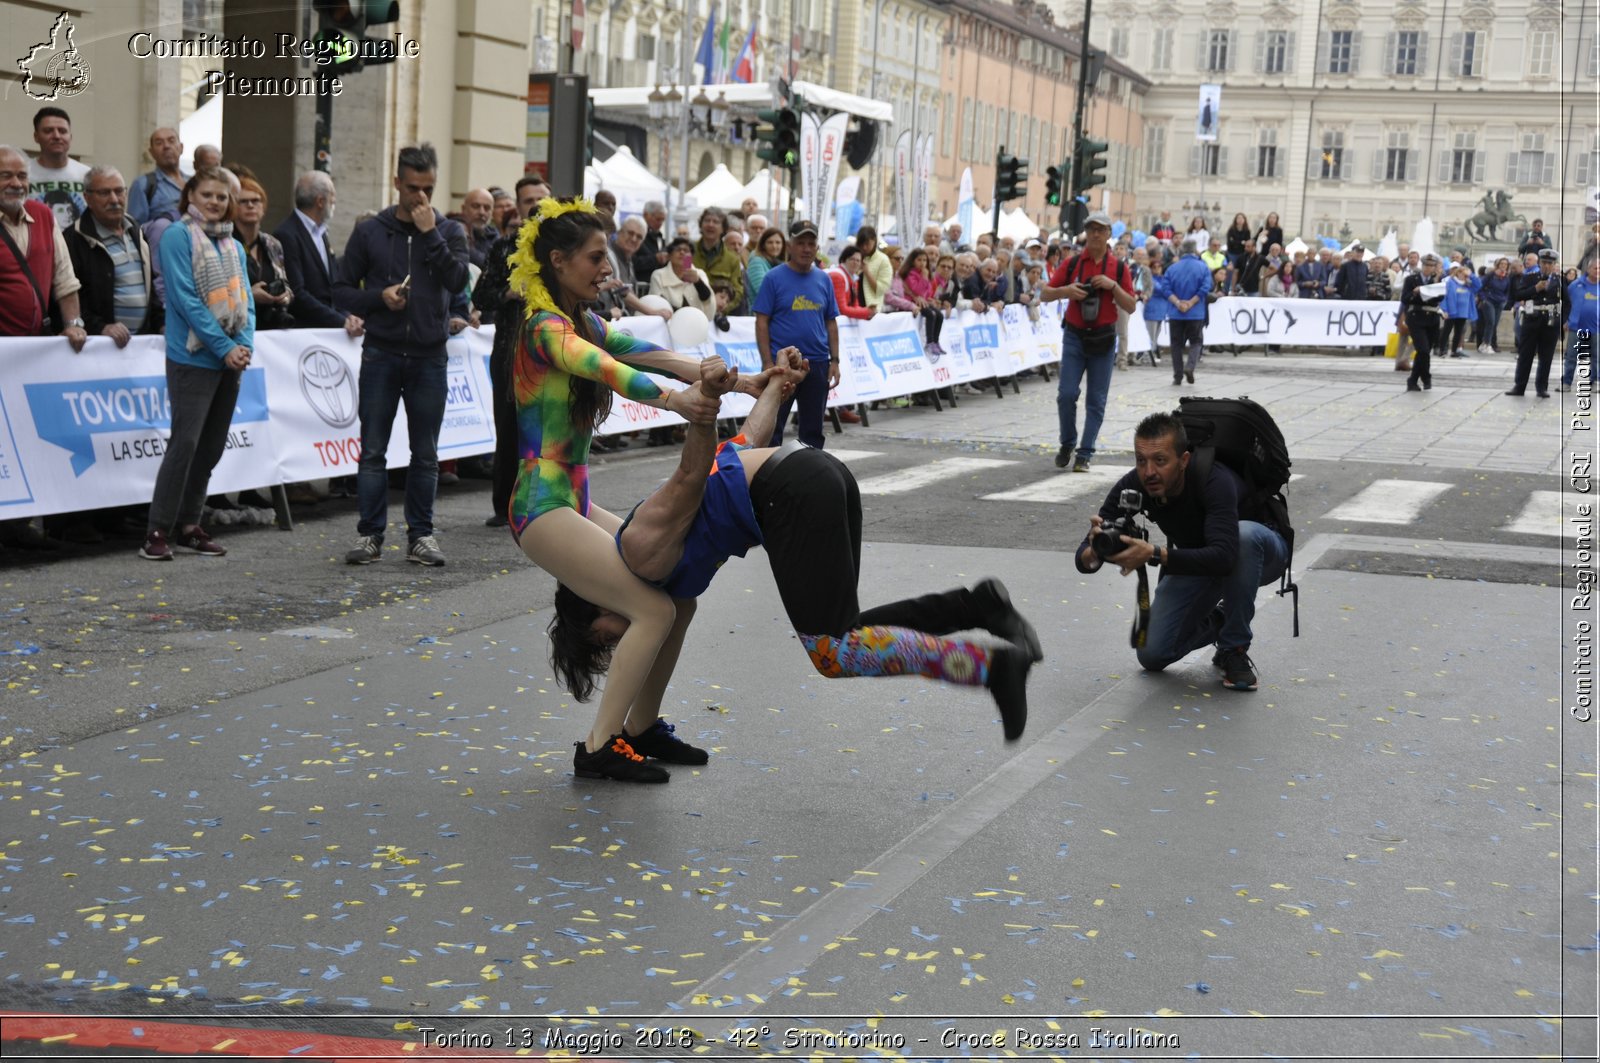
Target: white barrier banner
[1300,322]
[88,431]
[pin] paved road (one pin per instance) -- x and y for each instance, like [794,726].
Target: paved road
[276,785]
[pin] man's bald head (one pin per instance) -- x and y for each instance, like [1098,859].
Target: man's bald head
[477,207]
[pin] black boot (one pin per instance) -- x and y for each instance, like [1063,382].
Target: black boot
[1008,683]
[1001,618]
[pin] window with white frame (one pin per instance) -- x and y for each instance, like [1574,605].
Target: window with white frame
[1408,53]
[1341,52]
[1208,160]
[1395,163]
[1217,51]
[1161,48]
[1333,159]
[1531,164]
[1119,41]
[1463,163]
[1274,51]
[1155,150]
[1469,50]
[966,129]
[1266,160]
[1541,51]
[1589,161]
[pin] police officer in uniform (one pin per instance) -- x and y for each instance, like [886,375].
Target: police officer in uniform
[1423,320]
[1544,308]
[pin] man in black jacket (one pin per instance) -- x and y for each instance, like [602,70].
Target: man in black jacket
[308,258]
[401,272]
[1545,308]
[114,263]
[1210,554]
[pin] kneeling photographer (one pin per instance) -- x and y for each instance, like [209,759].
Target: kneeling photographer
[1211,553]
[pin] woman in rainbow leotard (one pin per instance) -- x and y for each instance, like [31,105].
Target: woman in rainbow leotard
[567,364]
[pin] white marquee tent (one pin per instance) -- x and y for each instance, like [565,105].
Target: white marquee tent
[719,189]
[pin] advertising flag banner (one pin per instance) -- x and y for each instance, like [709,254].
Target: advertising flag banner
[966,205]
[1209,114]
[831,160]
[902,183]
[810,159]
[924,187]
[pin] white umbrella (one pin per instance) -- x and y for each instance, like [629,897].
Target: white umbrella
[1296,246]
[719,189]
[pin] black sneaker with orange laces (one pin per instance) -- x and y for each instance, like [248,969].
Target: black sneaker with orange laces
[660,743]
[616,759]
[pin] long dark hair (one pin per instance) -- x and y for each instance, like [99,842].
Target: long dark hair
[590,403]
[577,658]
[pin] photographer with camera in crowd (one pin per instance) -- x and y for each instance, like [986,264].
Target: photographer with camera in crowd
[1211,553]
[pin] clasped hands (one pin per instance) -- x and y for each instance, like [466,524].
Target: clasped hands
[701,402]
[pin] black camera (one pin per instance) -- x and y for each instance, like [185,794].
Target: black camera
[1089,307]
[276,287]
[1107,542]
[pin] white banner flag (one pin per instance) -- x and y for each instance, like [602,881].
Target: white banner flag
[1209,114]
[922,187]
[810,160]
[830,160]
[966,206]
[902,185]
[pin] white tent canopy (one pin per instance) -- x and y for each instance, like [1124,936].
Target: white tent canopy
[1017,225]
[204,126]
[768,194]
[628,179]
[758,96]
[1296,246]
[719,189]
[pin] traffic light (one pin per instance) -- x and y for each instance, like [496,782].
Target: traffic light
[588,129]
[1053,185]
[1011,175]
[341,33]
[1088,165]
[780,137]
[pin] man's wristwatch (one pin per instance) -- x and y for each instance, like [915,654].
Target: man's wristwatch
[1157,557]
[76,322]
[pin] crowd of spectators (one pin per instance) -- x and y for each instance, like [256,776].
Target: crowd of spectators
[87,254]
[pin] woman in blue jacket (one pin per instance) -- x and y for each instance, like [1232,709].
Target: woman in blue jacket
[1492,303]
[211,320]
[1583,321]
[1460,308]
[1156,307]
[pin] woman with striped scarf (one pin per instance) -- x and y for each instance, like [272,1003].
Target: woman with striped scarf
[210,332]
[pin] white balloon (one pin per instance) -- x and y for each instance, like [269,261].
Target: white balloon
[688,327]
[654,302]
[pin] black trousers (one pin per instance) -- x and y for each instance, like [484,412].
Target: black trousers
[1424,337]
[809,510]
[504,473]
[1540,334]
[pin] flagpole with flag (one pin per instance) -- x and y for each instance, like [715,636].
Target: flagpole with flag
[706,55]
[724,67]
[744,66]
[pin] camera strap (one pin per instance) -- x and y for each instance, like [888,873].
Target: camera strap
[1141,621]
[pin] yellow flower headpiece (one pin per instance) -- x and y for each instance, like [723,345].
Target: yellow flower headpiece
[525,278]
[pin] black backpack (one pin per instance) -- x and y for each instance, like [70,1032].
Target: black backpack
[1244,437]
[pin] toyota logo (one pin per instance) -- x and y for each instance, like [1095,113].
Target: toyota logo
[329,388]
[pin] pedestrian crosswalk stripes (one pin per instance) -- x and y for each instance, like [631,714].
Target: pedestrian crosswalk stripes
[1542,515]
[1389,502]
[1062,487]
[906,480]
[848,456]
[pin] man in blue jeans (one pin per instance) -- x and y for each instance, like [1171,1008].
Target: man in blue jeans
[1213,562]
[1096,283]
[400,273]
